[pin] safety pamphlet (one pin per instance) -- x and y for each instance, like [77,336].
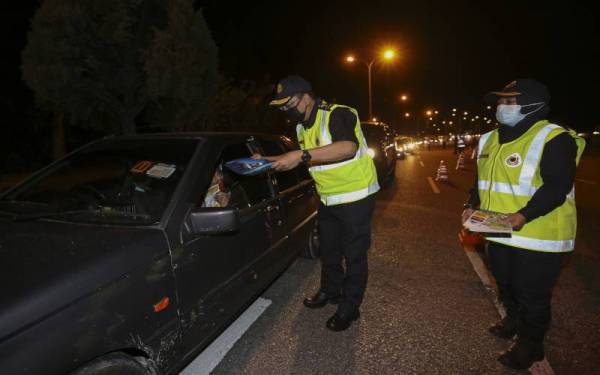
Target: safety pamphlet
[249,166]
[489,223]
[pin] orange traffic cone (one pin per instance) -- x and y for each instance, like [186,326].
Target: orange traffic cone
[460,164]
[442,172]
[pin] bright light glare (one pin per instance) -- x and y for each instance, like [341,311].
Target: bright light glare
[371,152]
[389,54]
[350,59]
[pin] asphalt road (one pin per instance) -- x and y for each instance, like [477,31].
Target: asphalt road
[426,310]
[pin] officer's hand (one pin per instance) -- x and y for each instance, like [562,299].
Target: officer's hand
[516,220]
[287,161]
[466,213]
[257,156]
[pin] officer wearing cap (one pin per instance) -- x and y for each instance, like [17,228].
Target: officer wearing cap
[526,169]
[333,145]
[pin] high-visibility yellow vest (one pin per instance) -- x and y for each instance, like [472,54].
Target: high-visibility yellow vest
[509,175]
[339,182]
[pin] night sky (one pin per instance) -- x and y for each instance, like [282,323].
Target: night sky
[450,52]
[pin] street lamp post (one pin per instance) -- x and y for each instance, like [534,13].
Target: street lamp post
[388,54]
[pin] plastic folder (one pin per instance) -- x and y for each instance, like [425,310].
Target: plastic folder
[249,166]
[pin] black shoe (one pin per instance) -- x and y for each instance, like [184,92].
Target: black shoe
[522,354]
[504,329]
[339,322]
[320,299]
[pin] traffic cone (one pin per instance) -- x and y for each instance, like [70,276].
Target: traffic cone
[460,164]
[442,172]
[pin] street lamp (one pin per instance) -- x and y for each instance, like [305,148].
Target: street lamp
[386,55]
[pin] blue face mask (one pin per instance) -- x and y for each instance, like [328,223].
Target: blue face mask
[510,114]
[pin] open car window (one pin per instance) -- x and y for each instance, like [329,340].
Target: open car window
[228,189]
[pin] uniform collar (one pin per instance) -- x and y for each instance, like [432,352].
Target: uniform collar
[313,115]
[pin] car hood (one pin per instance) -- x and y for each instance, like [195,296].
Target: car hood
[47,265]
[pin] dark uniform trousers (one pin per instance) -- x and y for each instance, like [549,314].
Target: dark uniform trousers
[525,280]
[345,237]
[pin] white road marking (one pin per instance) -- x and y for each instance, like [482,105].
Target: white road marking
[585,181]
[215,352]
[422,165]
[433,185]
[537,368]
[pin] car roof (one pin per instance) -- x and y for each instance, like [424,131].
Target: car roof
[222,136]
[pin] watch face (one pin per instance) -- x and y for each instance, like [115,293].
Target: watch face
[306,156]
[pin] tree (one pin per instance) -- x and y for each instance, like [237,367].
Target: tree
[102,62]
[181,65]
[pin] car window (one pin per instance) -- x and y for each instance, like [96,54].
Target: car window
[285,179]
[112,181]
[245,190]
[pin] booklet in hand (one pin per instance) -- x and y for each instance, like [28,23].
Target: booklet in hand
[249,166]
[489,224]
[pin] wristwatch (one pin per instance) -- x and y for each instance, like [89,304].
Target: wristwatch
[306,156]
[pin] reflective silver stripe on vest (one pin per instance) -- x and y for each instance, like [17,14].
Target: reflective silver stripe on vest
[534,155]
[326,140]
[530,165]
[550,246]
[482,141]
[351,197]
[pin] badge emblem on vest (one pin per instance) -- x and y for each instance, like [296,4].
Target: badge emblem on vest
[513,160]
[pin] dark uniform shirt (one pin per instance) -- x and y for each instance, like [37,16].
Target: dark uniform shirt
[341,122]
[557,169]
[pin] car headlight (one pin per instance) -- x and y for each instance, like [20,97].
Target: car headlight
[371,152]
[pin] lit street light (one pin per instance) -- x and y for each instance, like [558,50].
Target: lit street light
[386,55]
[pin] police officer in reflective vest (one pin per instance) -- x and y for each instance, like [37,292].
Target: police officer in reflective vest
[333,145]
[526,168]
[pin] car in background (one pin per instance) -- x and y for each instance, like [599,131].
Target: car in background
[380,140]
[404,146]
[112,262]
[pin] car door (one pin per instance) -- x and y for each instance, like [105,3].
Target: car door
[217,275]
[296,192]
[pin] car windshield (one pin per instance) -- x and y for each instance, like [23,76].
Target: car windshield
[120,181]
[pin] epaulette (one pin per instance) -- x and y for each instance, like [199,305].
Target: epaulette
[325,106]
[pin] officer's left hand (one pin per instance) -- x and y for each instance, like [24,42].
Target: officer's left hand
[516,220]
[287,161]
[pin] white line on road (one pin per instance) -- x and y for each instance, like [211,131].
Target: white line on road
[422,165]
[537,368]
[433,185]
[586,181]
[215,352]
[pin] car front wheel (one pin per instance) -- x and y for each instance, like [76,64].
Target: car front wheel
[113,364]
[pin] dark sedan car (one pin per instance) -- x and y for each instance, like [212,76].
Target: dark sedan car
[112,260]
[381,148]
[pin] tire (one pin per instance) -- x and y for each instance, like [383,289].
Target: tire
[311,249]
[113,364]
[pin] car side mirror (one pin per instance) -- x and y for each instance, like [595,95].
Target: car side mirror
[215,220]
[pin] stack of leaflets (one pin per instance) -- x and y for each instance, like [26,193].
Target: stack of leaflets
[489,223]
[249,166]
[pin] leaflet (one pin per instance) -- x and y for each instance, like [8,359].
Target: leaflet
[489,223]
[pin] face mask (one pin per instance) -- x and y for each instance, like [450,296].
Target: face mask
[510,114]
[294,115]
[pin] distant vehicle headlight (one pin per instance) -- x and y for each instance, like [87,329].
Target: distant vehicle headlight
[410,146]
[371,152]
[400,149]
